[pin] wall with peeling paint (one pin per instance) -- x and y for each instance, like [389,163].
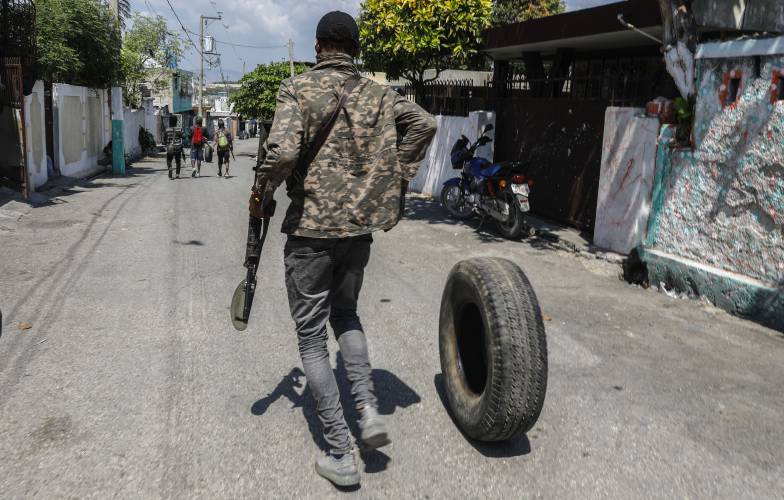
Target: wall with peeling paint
[743,15]
[722,204]
[626,178]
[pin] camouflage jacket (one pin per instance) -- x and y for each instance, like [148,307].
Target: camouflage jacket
[353,186]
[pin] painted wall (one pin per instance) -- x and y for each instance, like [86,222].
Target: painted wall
[744,15]
[722,205]
[35,129]
[81,129]
[626,179]
[182,92]
[133,119]
[436,167]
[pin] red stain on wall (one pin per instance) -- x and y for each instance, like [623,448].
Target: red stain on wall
[774,88]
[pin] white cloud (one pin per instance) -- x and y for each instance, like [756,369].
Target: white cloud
[261,22]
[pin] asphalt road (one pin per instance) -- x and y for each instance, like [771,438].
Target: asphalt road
[131,382]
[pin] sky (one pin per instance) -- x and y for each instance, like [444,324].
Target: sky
[263,23]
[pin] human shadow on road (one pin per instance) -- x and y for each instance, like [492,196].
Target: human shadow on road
[515,447]
[392,393]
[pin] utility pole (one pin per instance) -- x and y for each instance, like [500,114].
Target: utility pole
[117,115]
[291,56]
[202,25]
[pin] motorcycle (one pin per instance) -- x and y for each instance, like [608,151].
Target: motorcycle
[500,191]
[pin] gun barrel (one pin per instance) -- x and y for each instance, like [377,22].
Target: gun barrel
[250,290]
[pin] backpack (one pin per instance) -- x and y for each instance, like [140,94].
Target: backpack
[174,136]
[198,137]
[223,141]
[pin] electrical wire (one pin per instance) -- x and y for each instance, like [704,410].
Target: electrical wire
[187,33]
[233,44]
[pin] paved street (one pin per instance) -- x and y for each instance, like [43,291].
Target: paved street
[132,383]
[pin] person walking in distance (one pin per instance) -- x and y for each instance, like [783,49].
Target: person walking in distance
[173,141]
[224,144]
[346,148]
[198,140]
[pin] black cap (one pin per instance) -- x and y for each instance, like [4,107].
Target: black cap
[338,26]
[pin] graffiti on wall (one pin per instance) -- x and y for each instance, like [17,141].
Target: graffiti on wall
[723,202]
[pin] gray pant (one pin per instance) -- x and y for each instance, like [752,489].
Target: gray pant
[323,280]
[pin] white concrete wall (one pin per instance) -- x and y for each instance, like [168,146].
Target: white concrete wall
[132,120]
[626,179]
[437,167]
[35,130]
[81,129]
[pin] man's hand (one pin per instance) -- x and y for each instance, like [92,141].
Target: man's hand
[260,206]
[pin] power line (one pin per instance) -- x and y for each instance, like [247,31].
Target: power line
[233,44]
[149,5]
[187,33]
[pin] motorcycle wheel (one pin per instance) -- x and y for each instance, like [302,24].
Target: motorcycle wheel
[513,227]
[493,349]
[453,200]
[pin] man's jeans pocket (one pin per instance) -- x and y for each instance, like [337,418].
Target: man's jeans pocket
[311,272]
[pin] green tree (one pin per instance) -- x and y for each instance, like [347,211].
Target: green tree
[405,38]
[515,11]
[78,42]
[148,43]
[257,95]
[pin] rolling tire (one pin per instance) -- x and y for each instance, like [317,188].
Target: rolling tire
[493,349]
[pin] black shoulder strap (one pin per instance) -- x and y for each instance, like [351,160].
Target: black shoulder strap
[321,136]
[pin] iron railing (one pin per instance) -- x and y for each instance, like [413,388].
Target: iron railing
[617,81]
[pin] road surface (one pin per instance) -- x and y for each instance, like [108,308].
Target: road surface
[131,382]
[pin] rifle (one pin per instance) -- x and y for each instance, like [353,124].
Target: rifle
[242,300]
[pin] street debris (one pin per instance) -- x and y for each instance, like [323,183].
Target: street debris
[24,326]
[673,293]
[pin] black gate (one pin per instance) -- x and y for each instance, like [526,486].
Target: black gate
[560,143]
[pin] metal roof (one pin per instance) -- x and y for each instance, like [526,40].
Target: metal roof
[592,29]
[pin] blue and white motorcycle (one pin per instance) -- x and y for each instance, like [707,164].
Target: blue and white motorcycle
[499,191]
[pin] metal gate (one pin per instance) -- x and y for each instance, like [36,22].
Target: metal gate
[12,102]
[560,143]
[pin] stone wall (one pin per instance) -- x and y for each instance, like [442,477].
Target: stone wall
[742,15]
[717,213]
[724,202]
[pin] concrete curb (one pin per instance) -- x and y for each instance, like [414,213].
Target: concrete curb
[739,295]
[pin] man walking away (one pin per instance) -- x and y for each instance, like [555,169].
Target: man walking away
[173,141]
[198,140]
[341,191]
[224,144]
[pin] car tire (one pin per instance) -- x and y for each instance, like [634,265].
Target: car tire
[493,349]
